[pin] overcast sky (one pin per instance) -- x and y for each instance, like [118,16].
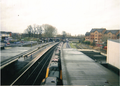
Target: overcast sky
[72,16]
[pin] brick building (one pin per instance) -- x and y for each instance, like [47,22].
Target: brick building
[112,34]
[87,36]
[97,34]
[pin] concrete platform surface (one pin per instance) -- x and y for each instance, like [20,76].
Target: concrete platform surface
[9,52]
[79,69]
[12,51]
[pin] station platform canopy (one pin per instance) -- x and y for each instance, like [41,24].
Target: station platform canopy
[79,69]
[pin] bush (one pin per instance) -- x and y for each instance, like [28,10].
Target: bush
[93,43]
[87,42]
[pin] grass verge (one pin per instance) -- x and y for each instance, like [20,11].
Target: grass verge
[72,45]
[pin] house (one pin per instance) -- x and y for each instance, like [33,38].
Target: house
[4,35]
[96,34]
[87,36]
[112,34]
[100,34]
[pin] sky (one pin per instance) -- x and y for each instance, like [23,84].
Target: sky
[73,16]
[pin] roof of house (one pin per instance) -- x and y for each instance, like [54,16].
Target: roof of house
[100,30]
[87,34]
[112,31]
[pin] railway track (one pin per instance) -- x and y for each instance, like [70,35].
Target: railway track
[68,45]
[31,74]
[35,74]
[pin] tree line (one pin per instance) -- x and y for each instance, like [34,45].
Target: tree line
[45,30]
[39,31]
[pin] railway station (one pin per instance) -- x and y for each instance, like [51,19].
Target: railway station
[56,63]
[60,43]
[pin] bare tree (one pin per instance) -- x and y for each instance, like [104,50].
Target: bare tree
[49,30]
[29,30]
[105,38]
[39,31]
[34,30]
[81,38]
[64,34]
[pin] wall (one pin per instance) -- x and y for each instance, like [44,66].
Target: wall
[113,53]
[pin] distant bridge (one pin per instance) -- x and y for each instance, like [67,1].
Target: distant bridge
[60,38]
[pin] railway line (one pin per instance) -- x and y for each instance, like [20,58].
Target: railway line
[36,72]
[68,45]
[18,71]
[53,72]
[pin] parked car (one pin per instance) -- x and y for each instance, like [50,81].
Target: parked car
[105,47]
[8,43]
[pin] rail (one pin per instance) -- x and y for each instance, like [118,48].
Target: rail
[36,65]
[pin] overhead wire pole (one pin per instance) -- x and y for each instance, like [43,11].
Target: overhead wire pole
[40,32]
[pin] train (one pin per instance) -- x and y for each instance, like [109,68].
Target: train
[53,72]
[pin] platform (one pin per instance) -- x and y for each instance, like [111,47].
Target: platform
[79,69]
[12,51]
[9,52]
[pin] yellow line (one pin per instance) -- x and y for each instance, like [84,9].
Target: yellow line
[61,74]
[47,72]
[43,80]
